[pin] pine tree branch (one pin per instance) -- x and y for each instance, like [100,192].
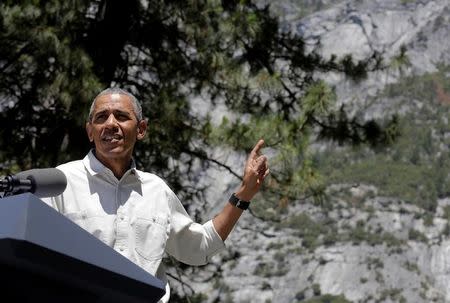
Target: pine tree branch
[204,156]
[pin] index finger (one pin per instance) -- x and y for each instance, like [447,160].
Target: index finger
[257,148]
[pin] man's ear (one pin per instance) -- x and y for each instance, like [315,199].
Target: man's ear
[89,131]
[142,129]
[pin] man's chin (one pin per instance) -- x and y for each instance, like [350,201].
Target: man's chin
[113,152]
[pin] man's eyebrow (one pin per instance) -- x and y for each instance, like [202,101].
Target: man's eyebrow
[116,111]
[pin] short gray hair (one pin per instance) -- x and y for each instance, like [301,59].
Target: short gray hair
[115,90]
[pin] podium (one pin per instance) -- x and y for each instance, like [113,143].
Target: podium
[45,257]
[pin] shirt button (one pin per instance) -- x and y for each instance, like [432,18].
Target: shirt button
[121,249]
[121,218]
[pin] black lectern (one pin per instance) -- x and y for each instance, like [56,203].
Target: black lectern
[45,257]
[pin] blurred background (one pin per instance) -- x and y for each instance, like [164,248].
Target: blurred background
[351,97]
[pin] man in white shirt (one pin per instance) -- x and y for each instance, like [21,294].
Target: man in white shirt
[135,212]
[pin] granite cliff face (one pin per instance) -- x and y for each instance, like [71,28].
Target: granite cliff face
[360,244]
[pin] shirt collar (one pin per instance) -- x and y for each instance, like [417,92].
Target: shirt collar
[94,166]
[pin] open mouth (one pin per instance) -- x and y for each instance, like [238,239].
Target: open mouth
[112,138]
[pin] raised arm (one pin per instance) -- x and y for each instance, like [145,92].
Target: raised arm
[255,171]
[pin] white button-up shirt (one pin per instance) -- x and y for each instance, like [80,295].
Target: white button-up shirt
[138,215]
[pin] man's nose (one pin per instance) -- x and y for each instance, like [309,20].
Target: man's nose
[111,121]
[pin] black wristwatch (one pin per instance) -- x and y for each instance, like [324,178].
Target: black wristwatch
[238,202]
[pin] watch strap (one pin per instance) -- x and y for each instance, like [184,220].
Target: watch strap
[238,202]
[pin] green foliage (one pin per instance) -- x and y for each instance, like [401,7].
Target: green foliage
[413,267]
[305,8]
[417,236]
[359,235]
[401,60]
[415,167]
[310,231]
[324,232]
[447,212]
[43,70]
[195,298]
[316,289]
[270,269]
[396,179]
[327,299]
[392,293]
[374,263]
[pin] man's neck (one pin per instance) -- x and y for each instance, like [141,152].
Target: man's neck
[119,166]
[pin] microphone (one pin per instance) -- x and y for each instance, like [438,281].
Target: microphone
[43,182]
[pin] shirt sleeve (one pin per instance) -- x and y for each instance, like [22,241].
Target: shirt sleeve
[189,242]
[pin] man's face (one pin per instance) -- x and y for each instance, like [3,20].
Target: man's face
[114,128]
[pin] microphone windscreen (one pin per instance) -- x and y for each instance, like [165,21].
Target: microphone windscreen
[47,182]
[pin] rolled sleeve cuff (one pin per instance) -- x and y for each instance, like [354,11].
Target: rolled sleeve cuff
[215,242]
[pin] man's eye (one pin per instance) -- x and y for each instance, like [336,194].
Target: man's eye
[100,117]
[122,117]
